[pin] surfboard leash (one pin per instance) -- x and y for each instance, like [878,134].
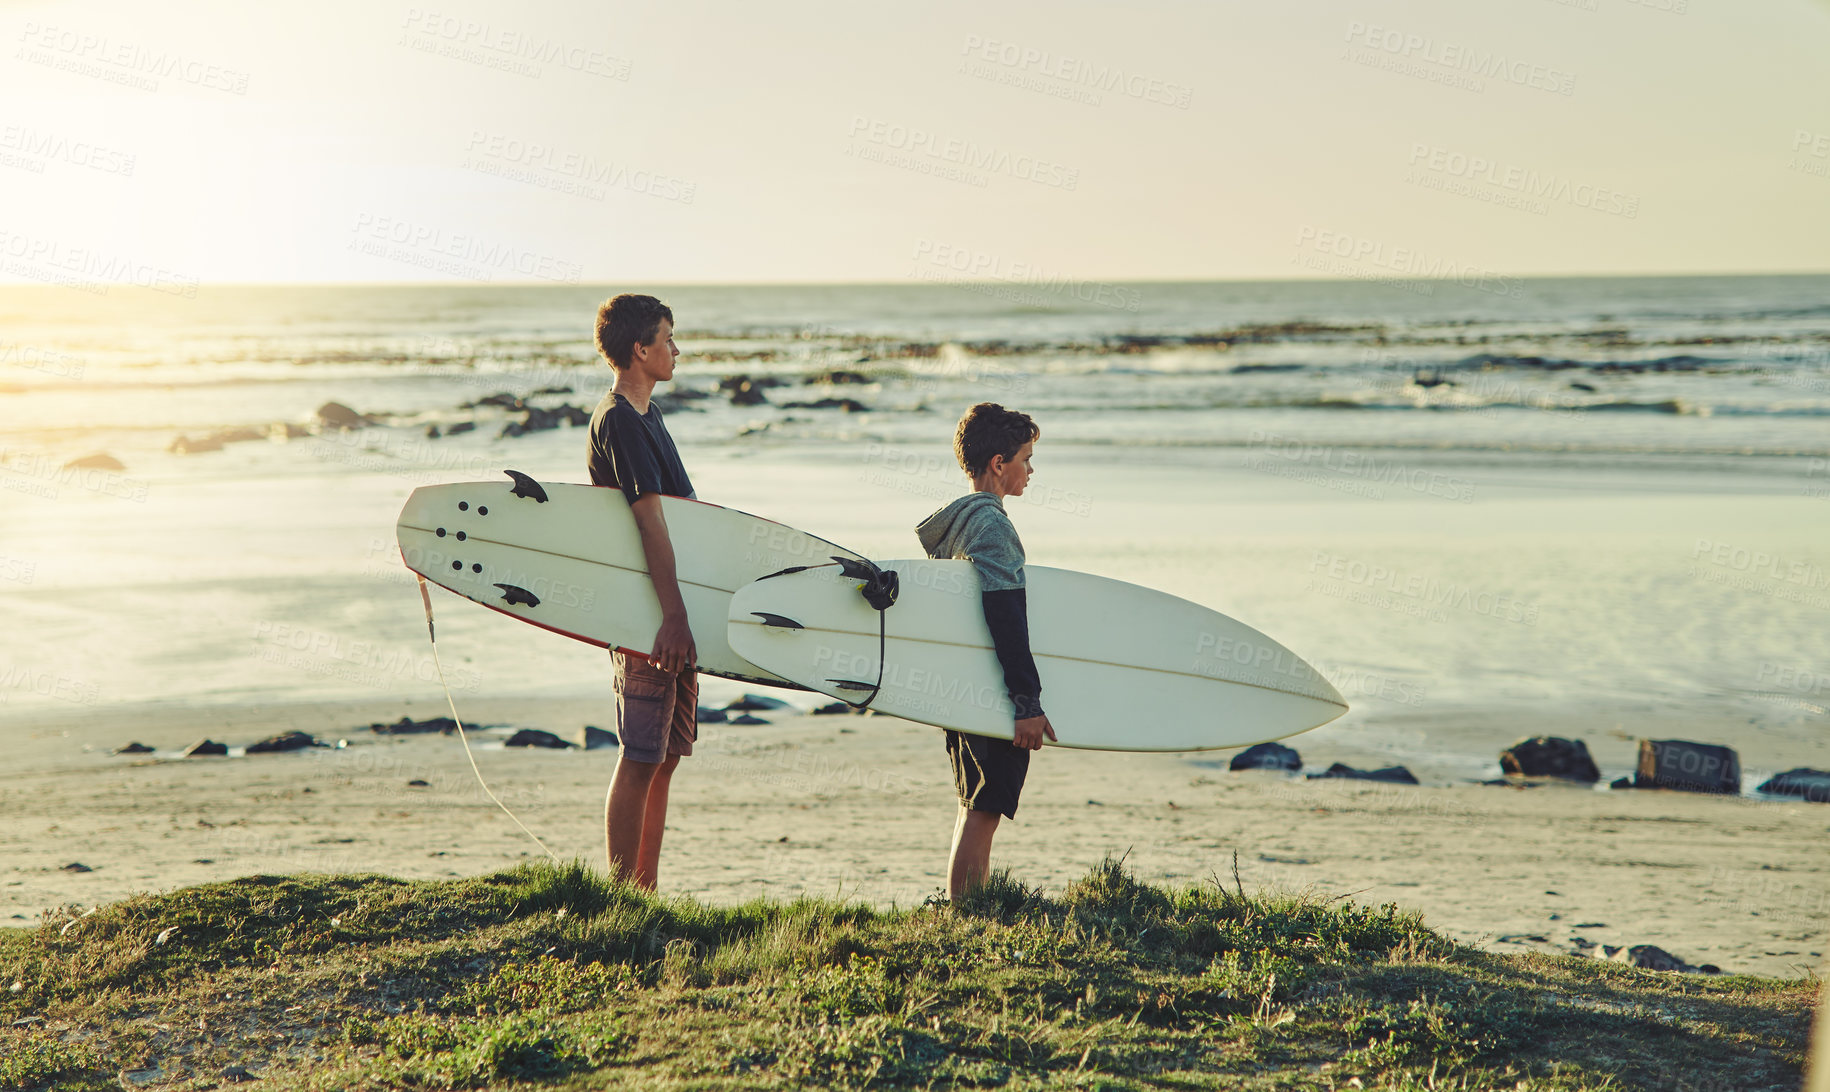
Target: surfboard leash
[879,588]
[425,596]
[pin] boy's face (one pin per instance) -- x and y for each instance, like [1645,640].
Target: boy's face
[1014,473]
[657,360]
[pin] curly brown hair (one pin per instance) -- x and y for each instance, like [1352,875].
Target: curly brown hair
[989,429]
[626,320]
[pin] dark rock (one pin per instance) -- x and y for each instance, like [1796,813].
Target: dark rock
[710,716]
[752,702]
[1267,756]
[1397,774]
[338,415]
[748,394]
[1621,783]
[534,737]
[285,741]
[432,432]
[184,445]
[408,726]
[206,747]
[747,718]
[236,1075]
[1813,785]
[77,866]
[134,749]
[1688,767]
[835,707]
[837,375]
[101,461]
[1550,756]
[1583,387]
[419,783]
[1653,958]
[552,390]
[849,405]
[738,382]
[537,419]
[591,738]
[501,398]
[461,427]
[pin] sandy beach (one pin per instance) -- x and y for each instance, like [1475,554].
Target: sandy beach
[861,806]
[1469,564]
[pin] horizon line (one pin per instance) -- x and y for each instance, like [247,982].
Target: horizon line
[920,283]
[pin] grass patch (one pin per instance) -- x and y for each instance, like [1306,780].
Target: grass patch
[554,977]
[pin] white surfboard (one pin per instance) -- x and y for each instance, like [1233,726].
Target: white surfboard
[1123,667]
[568,558]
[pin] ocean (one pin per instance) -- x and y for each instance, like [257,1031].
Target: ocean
[1572,506]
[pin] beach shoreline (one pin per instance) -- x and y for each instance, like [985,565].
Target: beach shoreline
[861,807]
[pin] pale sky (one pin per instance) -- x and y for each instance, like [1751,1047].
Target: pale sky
[373,141]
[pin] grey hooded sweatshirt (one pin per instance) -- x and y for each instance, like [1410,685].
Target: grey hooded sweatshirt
[976,528]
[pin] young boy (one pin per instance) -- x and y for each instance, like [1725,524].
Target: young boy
[994,446]
[657,696]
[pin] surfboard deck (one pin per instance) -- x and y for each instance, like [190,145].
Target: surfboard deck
[1123,667]
[568,558]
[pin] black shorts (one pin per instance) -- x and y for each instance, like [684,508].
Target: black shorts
[987,772]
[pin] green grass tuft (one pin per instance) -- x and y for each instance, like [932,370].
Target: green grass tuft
[553,976]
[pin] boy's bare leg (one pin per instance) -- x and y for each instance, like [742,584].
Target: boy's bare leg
[971,859]
[654,822]
[625,812]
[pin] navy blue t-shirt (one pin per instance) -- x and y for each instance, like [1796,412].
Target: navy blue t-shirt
[632,451]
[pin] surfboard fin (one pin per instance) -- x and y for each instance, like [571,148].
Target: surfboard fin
[777,620]
[516,595]
[880,585]
[525,487]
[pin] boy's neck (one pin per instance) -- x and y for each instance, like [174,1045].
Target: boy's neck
[635,388]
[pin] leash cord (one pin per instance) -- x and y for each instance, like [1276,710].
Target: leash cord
[425,596]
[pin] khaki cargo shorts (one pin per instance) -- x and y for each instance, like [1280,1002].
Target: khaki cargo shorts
[657,714]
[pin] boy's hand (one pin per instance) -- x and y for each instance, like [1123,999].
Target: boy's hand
[1030,731]
[673,645]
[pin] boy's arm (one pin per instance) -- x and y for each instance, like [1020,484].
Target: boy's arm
[1007,616]
[673,643]
[996,553]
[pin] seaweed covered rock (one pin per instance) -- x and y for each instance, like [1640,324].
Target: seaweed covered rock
[1550,756]
[1687,767]
[535,737]
[1396,774]
[1267,756]
[285,741]
[1812,785]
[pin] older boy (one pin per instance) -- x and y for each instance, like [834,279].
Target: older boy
[994,446]
[657,696]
